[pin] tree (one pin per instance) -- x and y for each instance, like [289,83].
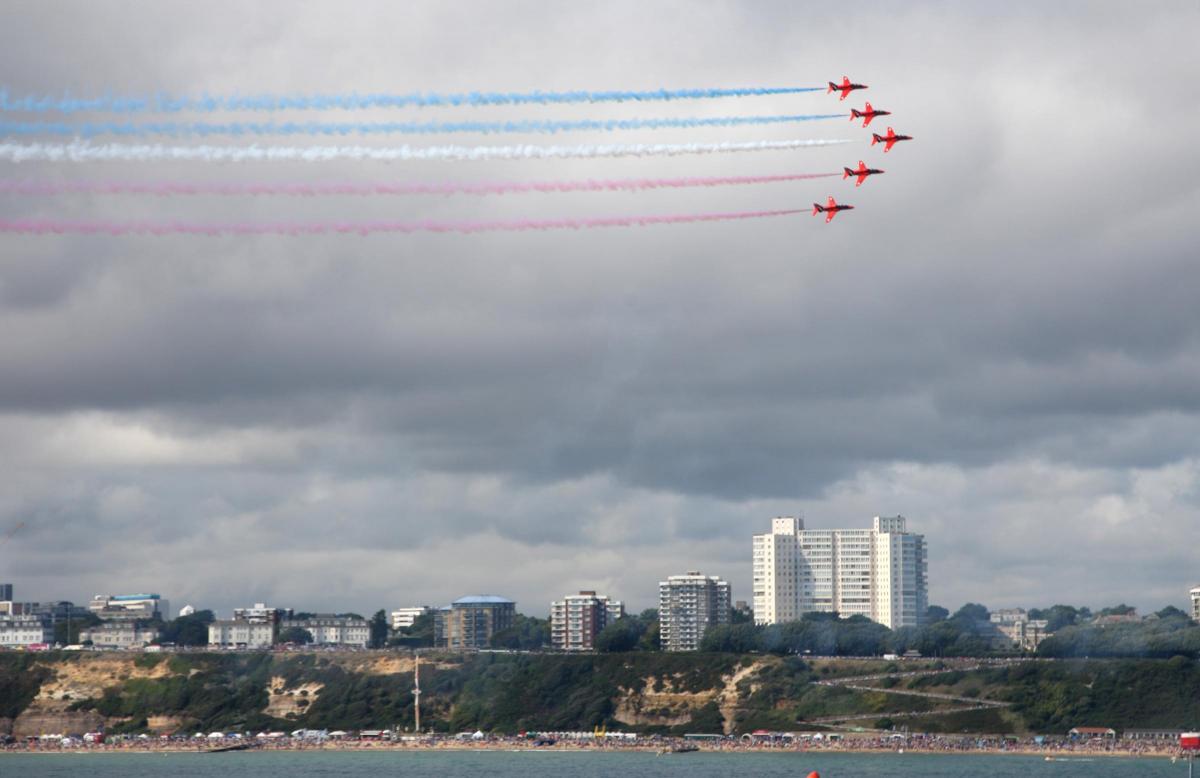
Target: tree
[651,639]
[67,632]
[648,616]
[525,634]
[190,630]
[935,613]
[818,616]
[622,635]
[1058,616]
[1118,610]
[973,611]
[419,635]
[379,629]
[732,639]
[741,616]
[297,635]
[1171,612]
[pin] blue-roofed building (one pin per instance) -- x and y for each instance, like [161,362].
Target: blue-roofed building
[469,622]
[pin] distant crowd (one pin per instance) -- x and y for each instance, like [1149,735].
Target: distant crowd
[919,743]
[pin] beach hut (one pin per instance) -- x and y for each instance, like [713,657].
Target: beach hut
[1092,733]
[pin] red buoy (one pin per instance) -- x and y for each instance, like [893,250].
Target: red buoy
[814,774]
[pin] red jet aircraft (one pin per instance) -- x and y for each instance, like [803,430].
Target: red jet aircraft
[867,114]
[845,87]
[862,172]
[888,140]
[830,209]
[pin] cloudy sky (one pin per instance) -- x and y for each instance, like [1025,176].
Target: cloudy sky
[1001,343]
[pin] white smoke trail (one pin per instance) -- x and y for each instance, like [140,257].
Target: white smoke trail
[80,151]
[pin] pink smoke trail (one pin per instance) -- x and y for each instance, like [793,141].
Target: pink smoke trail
[57,226]
[172,188]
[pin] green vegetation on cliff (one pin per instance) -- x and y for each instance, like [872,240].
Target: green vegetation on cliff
[21,676]
[645,691]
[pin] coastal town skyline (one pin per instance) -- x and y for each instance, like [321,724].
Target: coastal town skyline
[1000,342]
[348,601]
[780,591]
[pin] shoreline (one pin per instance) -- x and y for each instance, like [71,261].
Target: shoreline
[378,747]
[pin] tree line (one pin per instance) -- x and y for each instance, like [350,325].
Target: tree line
[1077,632]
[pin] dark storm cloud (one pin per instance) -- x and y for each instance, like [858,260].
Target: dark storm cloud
[1003,335]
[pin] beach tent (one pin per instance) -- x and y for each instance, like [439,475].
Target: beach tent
[478,735]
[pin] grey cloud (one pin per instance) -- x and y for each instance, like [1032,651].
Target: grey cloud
[1018,288]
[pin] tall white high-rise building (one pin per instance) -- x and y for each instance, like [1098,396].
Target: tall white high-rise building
[879,573]
[1196,602]
[687,606]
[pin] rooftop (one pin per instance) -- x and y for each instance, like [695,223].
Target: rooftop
[483,599]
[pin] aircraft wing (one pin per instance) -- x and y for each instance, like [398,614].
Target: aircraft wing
[888,146]
[829,216]
[862,177]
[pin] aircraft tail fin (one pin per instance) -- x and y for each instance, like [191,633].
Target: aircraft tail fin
[847,174]
[832,86]
[875,138]
[816,209]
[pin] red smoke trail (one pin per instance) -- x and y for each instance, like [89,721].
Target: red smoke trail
[171,188]
[57,226]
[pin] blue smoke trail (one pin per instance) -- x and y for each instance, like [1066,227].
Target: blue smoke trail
[238,129]
[162,103]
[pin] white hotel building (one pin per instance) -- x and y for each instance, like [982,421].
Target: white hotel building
[879,573]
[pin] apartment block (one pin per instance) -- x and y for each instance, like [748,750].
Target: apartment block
[1195,603]
[879,572]
[576,619]
[688,606]
[470,622]
[403,618]
[260,613]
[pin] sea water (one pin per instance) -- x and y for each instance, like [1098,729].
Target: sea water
[583,764]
